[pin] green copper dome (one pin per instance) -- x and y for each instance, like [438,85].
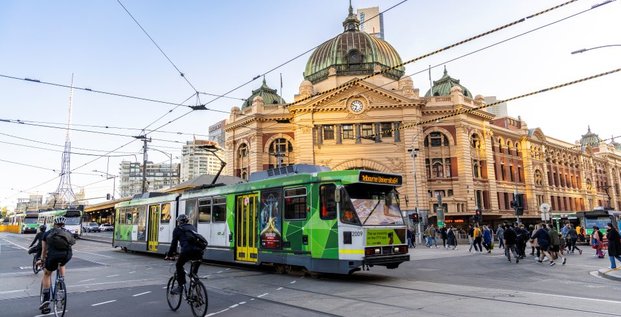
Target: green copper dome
[591,139]
[442,86]
[269,95]
[353,53]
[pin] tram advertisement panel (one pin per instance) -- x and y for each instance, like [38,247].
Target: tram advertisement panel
[385,236]
[271,220]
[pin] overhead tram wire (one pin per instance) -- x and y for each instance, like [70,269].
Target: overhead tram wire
[532,93]
[489,46]
[360,79]
[57,145]
[158,47]
[61,151]
[224,95]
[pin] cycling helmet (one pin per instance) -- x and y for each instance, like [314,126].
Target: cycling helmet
[42,228]
[60,220]
[182,219]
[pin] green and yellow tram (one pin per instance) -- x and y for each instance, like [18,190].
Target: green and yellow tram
[73,219]
[297,216]
[26,221]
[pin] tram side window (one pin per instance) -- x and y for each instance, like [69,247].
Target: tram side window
[204,211]
[165,218]
[219,209]
[190,209]
[327,205]
[295,203]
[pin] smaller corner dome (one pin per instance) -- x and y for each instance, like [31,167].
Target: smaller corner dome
[442,86]
[590,139]
[269,96]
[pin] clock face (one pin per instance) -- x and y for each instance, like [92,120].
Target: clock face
[356,106]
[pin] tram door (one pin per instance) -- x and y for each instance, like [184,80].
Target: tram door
[152,229]
[246,227]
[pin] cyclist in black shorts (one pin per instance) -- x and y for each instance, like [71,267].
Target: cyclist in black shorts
[188,250]
[56,250]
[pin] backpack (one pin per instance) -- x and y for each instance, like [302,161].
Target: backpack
[196,239]
[60,239]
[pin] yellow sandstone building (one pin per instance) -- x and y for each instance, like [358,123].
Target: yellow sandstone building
[343,118]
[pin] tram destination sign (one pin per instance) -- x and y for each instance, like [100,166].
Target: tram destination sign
[377,178]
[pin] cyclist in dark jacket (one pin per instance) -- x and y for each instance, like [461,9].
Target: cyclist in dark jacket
[38,239]
[188,250]
[53,257]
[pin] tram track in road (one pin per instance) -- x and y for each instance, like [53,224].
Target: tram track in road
[511,297]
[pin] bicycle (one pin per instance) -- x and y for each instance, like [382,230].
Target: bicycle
[58,294]
[37,266]
[195,294]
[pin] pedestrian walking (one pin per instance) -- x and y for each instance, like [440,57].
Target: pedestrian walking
[555,245]
[487,239]
[470,237]
[500,232]
[478,237]
[451,238]
[573,240]
[614,245]
[444,236]
[522,238]
[596,242]
[510,242]
[543,240]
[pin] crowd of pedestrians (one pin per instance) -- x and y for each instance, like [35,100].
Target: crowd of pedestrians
[546,243]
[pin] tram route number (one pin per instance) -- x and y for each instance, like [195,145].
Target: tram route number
[356,233]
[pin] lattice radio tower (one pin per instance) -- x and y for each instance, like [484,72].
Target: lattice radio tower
[64,194]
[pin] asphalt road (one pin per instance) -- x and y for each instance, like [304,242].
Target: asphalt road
[437,282]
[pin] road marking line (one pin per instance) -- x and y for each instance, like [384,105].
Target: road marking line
[113,275]
[15,244]
[132,272]
[278,289]
[241,303]
[140,294]
[102,303]
[219,272]
[233,306]
[262,295]
[292,282]
[90,279]
[218,312]
[90,253]
[13,291]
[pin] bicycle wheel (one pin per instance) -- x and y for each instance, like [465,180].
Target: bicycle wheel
[198,298]
[60,298]
[35,268]
[174,301]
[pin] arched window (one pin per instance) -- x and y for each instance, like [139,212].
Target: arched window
[243,162]
[354,57]
[437,168]
[281,153]
[435,139]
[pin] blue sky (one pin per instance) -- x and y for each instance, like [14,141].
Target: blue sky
[219,45]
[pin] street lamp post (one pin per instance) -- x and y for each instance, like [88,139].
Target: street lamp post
[414,153]
[108,176]
[170,156]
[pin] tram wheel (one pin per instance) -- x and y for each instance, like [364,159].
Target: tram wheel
[280,268]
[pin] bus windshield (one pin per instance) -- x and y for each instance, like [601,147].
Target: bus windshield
[72,220]
[374,205]
[31,220]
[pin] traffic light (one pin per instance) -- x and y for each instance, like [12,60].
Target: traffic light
[107,196]
[518,204]
[414,217]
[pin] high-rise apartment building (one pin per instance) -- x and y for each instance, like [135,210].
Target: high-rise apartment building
[371,21]
[158,176]
[198,159]
[216,133]
[499,110]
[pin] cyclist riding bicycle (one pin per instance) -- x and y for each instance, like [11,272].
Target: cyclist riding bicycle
[189,251]
[56,250]
[38,239]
